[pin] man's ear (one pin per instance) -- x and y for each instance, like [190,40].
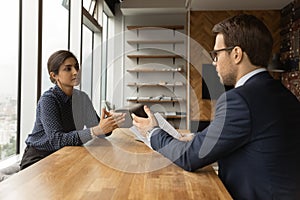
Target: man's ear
[238,54]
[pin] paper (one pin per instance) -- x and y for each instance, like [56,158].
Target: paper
[163,124]
[140,137]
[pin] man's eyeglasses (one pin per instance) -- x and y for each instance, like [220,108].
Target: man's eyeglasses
[214,53]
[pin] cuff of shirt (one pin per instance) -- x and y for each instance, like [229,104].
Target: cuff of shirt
[92,133]
[150,134]
[85,135]
[99,136]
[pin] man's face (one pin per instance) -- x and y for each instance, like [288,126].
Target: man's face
[225,68]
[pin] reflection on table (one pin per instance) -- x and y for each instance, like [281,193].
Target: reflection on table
[117,167]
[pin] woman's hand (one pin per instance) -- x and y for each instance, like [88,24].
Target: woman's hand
[108,122]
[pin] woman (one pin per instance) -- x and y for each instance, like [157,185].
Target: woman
[65,116]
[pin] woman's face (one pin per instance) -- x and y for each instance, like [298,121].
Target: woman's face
[68,74]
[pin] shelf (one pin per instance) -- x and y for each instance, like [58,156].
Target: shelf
[155,84]
[155,41]
[174,27]
[154,101]
[174,116]
[155,70]
[154,56]
[160,81]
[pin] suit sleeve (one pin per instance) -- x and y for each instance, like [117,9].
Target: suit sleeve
[229,130]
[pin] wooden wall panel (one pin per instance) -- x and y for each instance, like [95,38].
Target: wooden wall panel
[201,24]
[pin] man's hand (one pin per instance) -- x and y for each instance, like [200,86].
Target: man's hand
[144,124]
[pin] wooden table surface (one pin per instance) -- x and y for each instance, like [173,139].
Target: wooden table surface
[117,167]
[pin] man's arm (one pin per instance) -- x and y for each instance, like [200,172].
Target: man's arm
[229,130]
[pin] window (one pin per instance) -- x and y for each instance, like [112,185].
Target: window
[90,6]
[104,56]
[55,34]
[87,61]
[9,18]
[91,54]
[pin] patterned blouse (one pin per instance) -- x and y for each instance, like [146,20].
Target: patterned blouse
[62,120]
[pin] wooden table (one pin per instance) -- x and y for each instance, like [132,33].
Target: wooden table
[118,167]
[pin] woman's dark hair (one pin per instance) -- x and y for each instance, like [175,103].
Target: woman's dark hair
[57,59]
[249,33]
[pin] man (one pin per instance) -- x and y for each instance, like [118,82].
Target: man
[255,134]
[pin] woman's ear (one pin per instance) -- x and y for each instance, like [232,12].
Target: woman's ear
[53,76]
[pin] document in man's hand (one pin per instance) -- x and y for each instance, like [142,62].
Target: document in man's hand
[163,124]
[166,126]
[140,137]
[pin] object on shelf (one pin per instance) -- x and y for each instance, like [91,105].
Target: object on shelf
[132,98]
[155,70]
[173,115]
[164,84]
[157,98]
[177,98]
[154,56]
[178,83]
[170,113]
[131,84]
[181,113]
[164,98]
[144,98]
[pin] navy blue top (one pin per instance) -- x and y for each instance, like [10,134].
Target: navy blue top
[62,120]
[255,137]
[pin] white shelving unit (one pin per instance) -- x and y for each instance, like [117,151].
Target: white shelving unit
[156,70]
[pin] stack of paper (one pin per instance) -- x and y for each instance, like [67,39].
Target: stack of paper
[163,124]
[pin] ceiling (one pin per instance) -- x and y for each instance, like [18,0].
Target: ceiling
[238,4]
[136,7]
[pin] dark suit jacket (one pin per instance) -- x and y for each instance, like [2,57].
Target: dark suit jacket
[255,137]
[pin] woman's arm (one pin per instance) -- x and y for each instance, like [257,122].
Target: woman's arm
[58,124]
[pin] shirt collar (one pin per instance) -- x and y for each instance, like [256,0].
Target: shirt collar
[61,94]
[244,78]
